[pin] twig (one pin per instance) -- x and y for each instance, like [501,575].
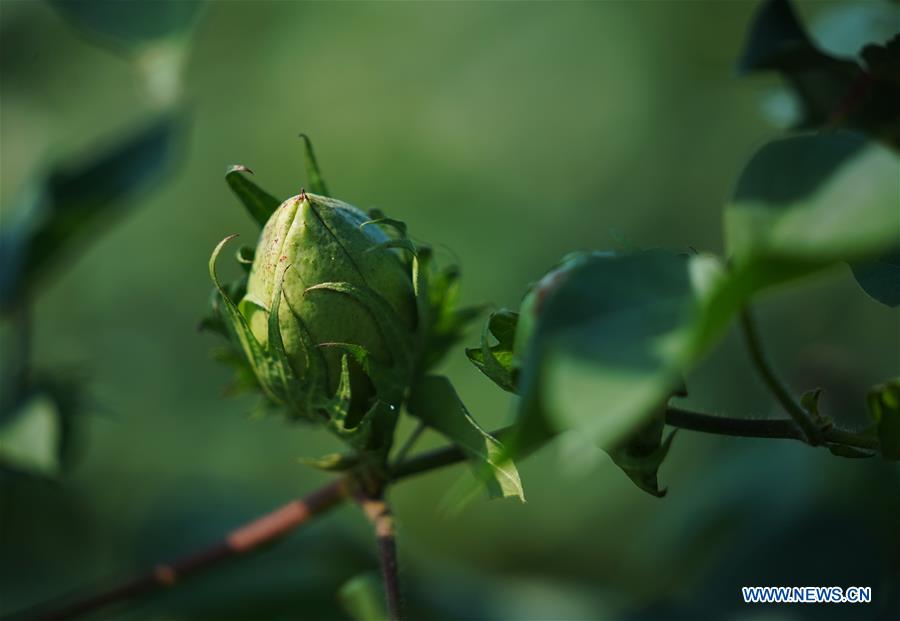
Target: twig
[379,513]
[262,530]
[288,517]
[813,433]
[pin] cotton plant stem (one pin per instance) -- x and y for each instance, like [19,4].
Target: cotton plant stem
[813,433]
[246,538]
[379,513]
[283,520]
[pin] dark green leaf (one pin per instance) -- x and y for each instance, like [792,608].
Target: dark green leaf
[880,278]
[832,91]
[258,203]
[641,455]
[435,402]
[612,344]
[884,406]
[316,183]
[131,24]
[74,199]
[776,36]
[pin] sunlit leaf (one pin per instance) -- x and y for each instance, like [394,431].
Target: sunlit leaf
[313,175]
[258,203]
[806,202]
[496,360]
[435,402]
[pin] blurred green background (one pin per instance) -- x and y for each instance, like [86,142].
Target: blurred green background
[507,134]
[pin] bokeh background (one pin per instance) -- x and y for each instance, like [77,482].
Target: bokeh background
[507,134]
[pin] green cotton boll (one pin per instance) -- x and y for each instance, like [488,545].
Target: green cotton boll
[321,240]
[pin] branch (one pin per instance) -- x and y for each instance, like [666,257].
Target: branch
[248,537]
[280,522]
[813,435]
[379,513]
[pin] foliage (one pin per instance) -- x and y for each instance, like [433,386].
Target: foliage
[600,345]
[326,330]
[616,332]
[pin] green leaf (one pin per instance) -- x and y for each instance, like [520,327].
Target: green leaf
[880,278]
[435,402]
[362,598]
[316,183]
[131,24]
[256,355]
[777,41]
[806,202]
[447,322]
[153,34]
[258,203]
[496,361]
[30,437]
[641,455]
[612,343]
[832,91]
[74,199]
[884,406]
[398,226]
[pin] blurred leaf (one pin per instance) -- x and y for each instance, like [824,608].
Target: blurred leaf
[777,41]
[131,24]
[643,453]
[258,203]
[316,183]
[30,437]
[75,197]
[151,33]
[832,91]
[880,278]
[805,202]
[612,343]
[496,361]
[362,598]
[435,402]
[884,406]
